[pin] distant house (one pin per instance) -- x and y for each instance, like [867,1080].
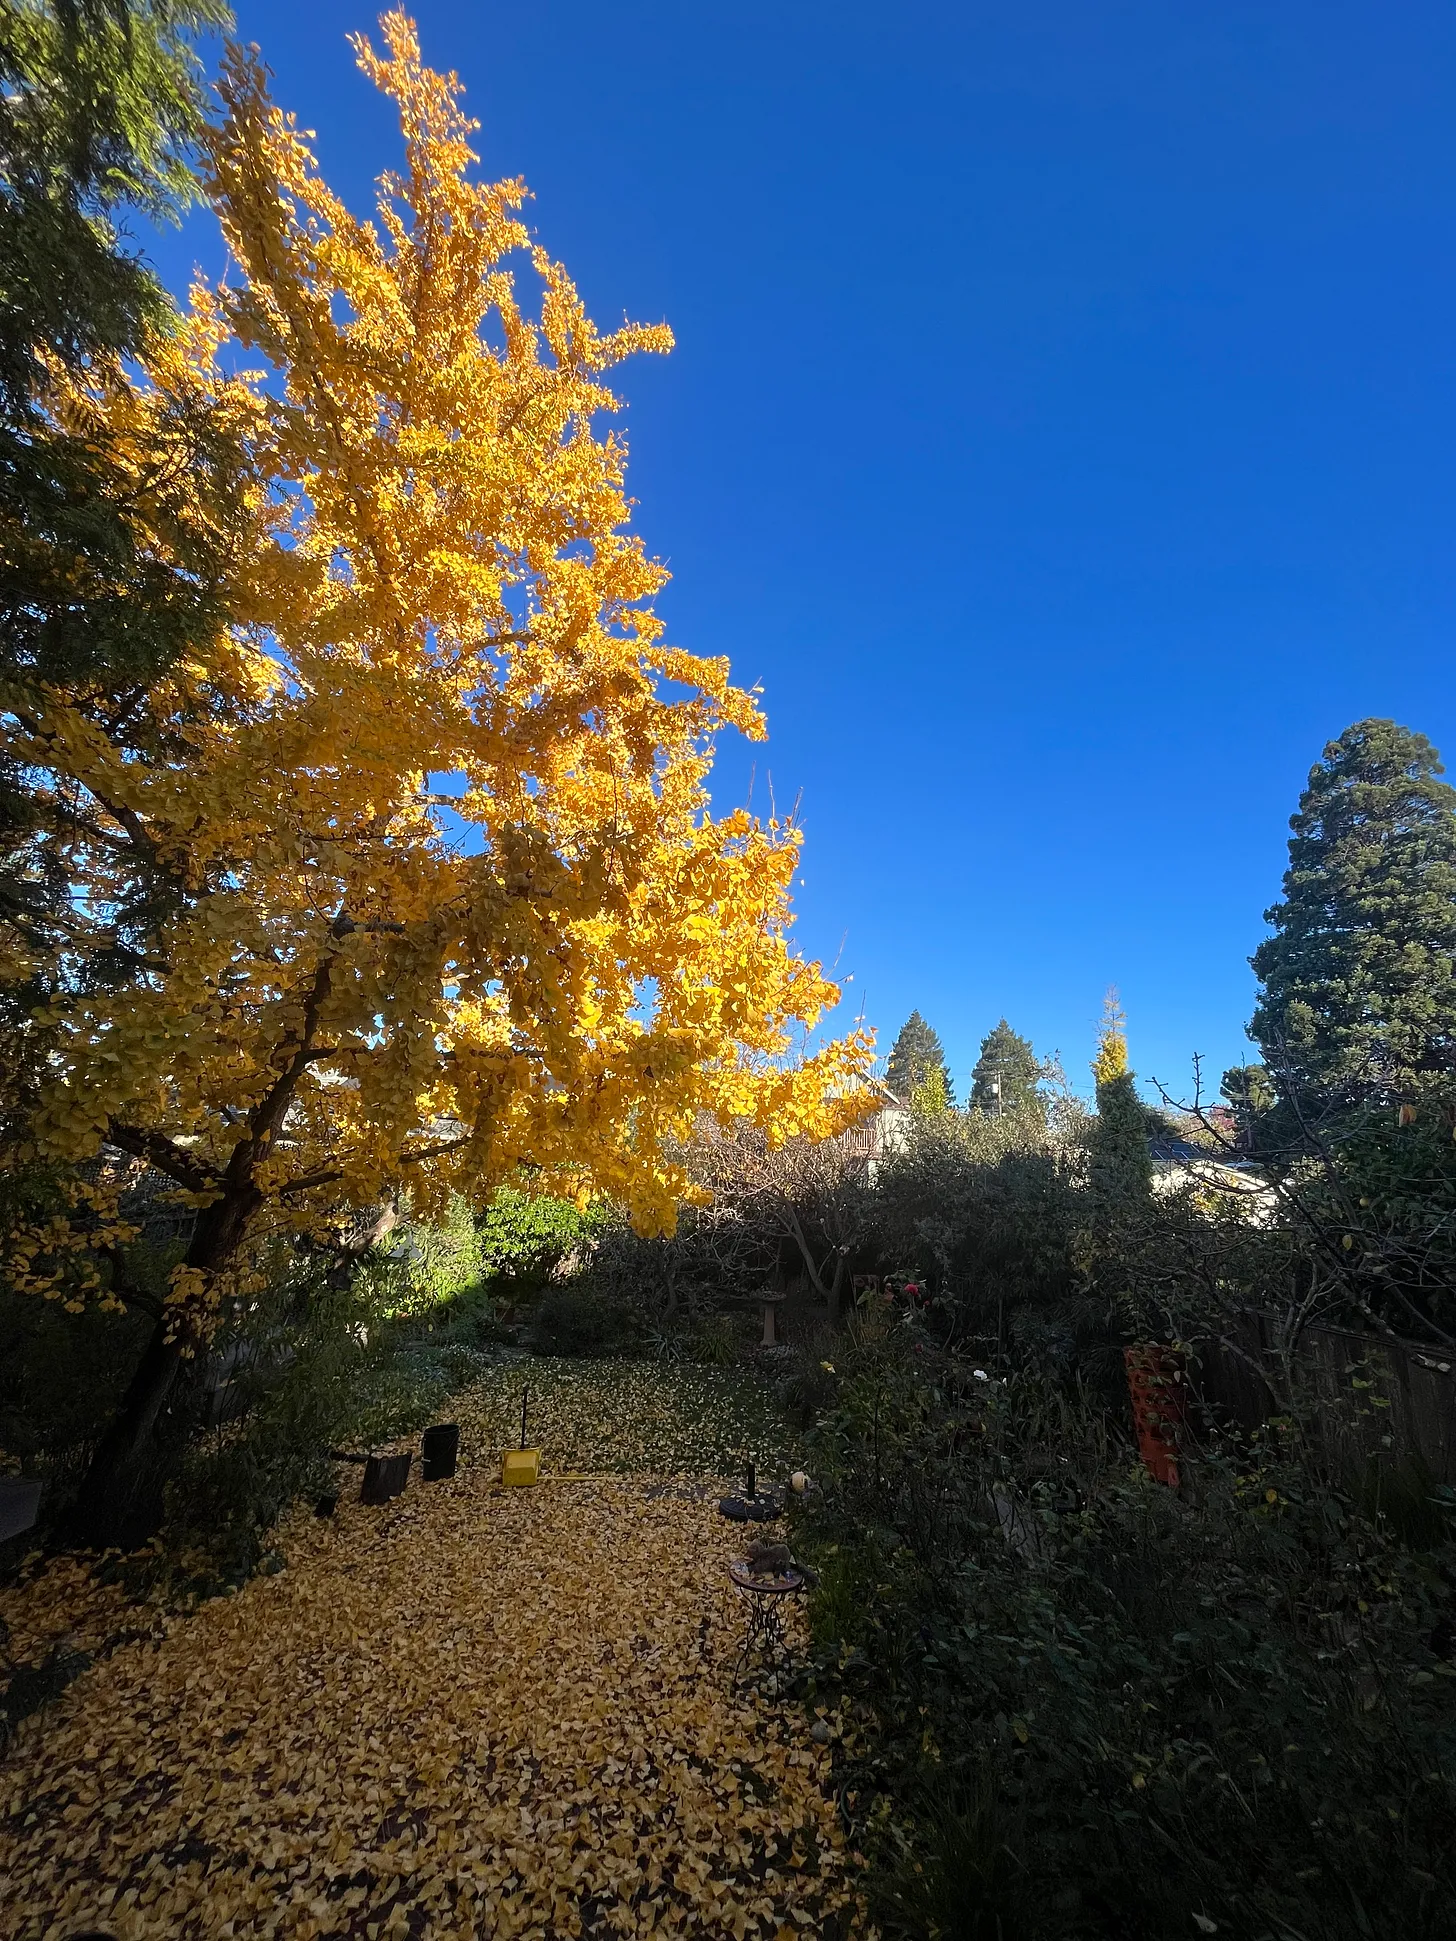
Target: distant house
[1178,1162]
[884,1132]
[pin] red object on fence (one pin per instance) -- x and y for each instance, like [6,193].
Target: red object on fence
[1158,1385]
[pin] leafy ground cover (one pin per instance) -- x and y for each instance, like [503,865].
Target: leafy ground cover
[473,1710]
[630,1416]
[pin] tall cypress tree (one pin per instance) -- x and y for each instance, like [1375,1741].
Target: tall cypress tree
[916,1053]
[1007,1072]
[1358,998]
[1121,1169]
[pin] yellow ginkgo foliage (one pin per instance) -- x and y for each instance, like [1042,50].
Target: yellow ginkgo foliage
[432,890]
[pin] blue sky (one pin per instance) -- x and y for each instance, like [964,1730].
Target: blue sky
[1062,430]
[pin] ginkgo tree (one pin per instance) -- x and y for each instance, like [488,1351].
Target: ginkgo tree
[410,868]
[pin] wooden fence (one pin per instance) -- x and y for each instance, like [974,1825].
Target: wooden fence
[1408,1411]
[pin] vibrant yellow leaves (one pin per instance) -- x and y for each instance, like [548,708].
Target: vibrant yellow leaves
[444,898]
[1110,1063]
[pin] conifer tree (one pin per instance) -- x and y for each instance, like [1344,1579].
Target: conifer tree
[1359,980]
[917,1051]
[1249,1096]
[1121,1167]
[100,101]
[113,536]
[1007,1072]
[931,1097]
[1120,1179]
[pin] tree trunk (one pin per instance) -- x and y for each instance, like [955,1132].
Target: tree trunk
[120,1501]
[113,1509]
[837,1287]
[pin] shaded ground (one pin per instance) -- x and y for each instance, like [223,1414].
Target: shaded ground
[471,1712]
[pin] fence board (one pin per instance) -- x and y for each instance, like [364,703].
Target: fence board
[1412,1401]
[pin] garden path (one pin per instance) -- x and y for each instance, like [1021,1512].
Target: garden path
[473,1712]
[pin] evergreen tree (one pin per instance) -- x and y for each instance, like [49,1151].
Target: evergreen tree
[1007,1073]
[1263,1125]
[931,1097]
[1120,1184]
[1247,1089]
[916,1053]
[99,101]
[1121,1167]
[114,539]
[1359,980]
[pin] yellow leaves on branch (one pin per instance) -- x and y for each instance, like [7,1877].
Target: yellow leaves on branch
[444,897]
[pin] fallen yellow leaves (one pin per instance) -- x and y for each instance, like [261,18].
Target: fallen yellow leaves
[633,1416]
[472,1712]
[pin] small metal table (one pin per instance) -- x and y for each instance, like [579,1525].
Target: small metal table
[763,1599]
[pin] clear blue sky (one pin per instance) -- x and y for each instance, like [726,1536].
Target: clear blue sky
[1062,429]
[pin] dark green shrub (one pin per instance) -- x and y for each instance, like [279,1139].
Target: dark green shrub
[807,1384]
[575,1321]
[1215,1712]
[961,1877]
[61,1378]
[987,1212]
[720,1339]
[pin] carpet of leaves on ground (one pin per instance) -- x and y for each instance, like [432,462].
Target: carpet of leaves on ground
[630,1416]
[474,1711]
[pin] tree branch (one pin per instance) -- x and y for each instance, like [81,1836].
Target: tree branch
[331,1175]
[165,1154]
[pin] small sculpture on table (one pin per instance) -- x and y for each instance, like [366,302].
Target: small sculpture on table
[764,1577]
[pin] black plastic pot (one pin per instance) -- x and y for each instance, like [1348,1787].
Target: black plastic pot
[384,1477]
[327,1504]
[440,1448]
[19,1504]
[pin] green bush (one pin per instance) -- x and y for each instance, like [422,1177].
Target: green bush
[419,1266]
[576,1321]
[808,1384]
[961,1877]
[527,1237]
[720,1339]
[986,1211]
